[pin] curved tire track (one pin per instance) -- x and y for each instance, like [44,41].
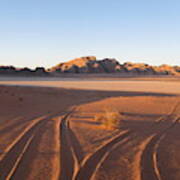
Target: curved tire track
[70,150]
[93,161]
[13,156]
[149,163]
[91,164]
[73,167]
[15,152]
[72,164]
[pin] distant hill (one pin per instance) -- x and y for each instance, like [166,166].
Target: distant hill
[90,64]
[12,71]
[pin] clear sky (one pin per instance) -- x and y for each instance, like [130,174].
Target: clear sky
[46,32]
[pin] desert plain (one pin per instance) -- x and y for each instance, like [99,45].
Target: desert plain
[49,129]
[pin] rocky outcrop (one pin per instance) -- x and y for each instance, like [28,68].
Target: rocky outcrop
[12,71]
[90,64]
[79,65]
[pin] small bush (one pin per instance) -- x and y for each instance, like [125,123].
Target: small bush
[109,119]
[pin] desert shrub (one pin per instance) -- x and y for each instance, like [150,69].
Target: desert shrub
[109,119]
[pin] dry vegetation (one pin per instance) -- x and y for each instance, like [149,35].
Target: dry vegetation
[109,119]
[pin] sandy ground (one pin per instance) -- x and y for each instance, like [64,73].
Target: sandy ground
[51,133]
[165,85]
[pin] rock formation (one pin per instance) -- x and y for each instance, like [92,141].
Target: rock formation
[90,64]
[12,71]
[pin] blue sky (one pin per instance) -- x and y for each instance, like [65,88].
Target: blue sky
[44,33]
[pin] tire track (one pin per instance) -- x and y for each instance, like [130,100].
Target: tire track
[107,154]
[76,168]
[15,152]
[17,122]
[149,162]
[92,162]
[19,158]
[41,159]
[72,164]
[172,112]
[69,156]
[13,131]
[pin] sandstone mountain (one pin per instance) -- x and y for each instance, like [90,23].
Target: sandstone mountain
[90,64]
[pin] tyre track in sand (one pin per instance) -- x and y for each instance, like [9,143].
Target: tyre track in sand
[14,154]
[148,160]
[165,117]
[92,162]
[70,149]
[72,164]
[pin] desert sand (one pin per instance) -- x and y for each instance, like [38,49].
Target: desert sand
[155,85]
[48,130]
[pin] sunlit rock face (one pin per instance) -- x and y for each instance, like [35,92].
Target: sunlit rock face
[88,64]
